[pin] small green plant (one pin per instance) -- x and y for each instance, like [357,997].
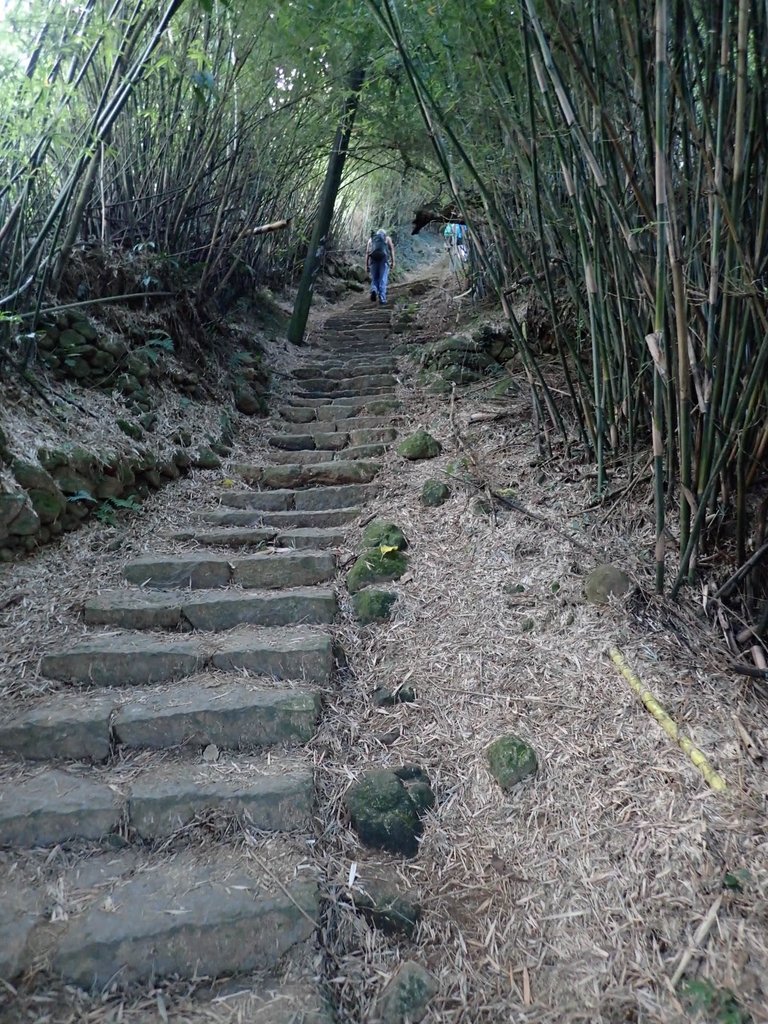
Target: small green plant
[106,512]
[718,1005]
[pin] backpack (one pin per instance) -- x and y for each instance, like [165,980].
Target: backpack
[378,248]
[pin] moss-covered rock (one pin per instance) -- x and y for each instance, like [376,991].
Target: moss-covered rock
[45,496]
[375,565]
[132,430]
[380,533]
[420,445]
[206,459]
[511,760]
[434,493]
[373,606]
[406,996]
[604,582]
[383,813]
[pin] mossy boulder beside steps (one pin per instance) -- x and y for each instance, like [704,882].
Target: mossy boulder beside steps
[386,808]
[375,565]
[420,445]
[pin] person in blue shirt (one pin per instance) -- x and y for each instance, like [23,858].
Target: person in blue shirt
[379,260]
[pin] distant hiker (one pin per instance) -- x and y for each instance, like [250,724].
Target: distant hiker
[455,241]
[379,258]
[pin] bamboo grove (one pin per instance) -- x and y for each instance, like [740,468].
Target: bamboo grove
[619,150]
[174,127]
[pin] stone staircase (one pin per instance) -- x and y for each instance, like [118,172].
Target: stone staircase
[156,810]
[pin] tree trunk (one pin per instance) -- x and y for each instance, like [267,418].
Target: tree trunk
[316,249]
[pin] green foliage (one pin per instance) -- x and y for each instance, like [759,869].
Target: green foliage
[717,1005]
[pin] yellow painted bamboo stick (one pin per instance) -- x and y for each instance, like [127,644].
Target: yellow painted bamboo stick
[712,778]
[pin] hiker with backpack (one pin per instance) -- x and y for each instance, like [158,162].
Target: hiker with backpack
[379,258]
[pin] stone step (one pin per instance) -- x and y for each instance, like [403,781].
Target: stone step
[372,435]
[338,411]
[338,426]
[53,806]
[211,610]
[374,404]
[168,797]
[233,537]
[284,520]
[340,371]
[128,916]
[306,457]
[334,366]
[311,458]
[264,570]
[123,659]
[313,499]
[325,395]
[319,386]
[227,711]
[321,440]
[363,315]
[321,474]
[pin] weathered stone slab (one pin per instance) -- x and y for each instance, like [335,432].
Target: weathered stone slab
[124,660]
[21,908]
[217,611]
[232,537]
[367,423]
[267,501]
[310,429]
[295,415]
[283,569]
[323,474]
[234,716]
[310,537]
[176,572]
[349,408]
[333,441]
[53,806]
[133,609]
[372,435]
[292,442]
[298,654]
[363,451]
[322,498]
[322,518]
[66,726]
[340,371]
[307,458]
[185,917]
[361,392]
[171,797]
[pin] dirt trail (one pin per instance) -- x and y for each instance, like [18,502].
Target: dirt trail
[573,898]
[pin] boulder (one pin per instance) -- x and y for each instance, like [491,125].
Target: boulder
[384,814]
[45,497]
[605,582]
[373,606]
[420,445]
[434,493]
[382,534]
[406,996]
[511,760]
[376,565]
[207,459]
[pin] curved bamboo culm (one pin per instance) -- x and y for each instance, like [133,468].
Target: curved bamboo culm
[714,780]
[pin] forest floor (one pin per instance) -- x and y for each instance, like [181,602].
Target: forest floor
[583,894]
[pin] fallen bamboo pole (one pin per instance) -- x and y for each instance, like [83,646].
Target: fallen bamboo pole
[714,780]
